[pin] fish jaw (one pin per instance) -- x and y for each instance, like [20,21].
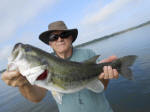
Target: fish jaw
[15,53]
[35,73]
[14,58]
[16,46]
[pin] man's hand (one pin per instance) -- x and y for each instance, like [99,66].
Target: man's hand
[14,78]
[108,73]
[30,92]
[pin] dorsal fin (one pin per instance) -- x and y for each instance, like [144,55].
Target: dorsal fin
[92,60]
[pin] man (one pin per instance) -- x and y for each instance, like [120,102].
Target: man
[60,39]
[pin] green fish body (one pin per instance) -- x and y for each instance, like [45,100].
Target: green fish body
[63,76]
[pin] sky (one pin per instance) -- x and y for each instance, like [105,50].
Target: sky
[24,20]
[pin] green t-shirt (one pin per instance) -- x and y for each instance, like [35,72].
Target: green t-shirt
[84,100]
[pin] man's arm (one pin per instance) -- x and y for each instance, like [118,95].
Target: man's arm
[30,92]
[108,73]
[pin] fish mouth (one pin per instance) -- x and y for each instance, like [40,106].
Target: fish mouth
[16,46]
[43,75]
[16,52]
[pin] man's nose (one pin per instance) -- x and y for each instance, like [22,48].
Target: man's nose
[59,38]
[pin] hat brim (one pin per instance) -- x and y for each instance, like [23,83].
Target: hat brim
[45,35]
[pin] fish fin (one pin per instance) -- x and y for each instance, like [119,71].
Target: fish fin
[126,62]
[60,86]
[127,73]
[58,83]
[95,86]
[57,96]
[92,60]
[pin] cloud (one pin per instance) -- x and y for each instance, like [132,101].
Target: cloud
[105,12]
[13,15]
[114,16]
[16,13]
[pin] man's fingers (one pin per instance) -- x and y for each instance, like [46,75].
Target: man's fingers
[110,59]
[10,75]
[8,82]
[18,82]
[116,74]
[22,81]
[14,78]
[110,72]
[106,76]
[103,61]
[101,76]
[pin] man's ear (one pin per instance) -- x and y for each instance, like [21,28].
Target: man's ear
[71,38]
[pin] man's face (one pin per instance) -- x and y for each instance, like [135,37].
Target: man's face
[61,45]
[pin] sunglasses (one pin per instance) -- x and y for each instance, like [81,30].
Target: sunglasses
[63,35]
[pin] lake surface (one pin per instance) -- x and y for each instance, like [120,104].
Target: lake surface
[123,95]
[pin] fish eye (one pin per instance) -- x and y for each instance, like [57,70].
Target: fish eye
[27,49]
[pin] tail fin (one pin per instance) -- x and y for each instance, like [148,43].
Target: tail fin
[126,62]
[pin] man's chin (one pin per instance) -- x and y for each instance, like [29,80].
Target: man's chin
[61,50]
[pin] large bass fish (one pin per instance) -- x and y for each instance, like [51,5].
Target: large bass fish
[62,76]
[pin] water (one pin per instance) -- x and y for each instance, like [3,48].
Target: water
[12,101]
[123,95]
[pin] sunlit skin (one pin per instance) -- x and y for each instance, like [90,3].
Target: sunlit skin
[62,47]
